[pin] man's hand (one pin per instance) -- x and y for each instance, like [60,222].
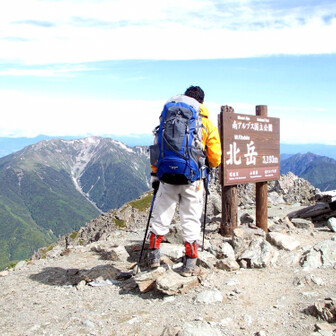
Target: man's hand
[155,182]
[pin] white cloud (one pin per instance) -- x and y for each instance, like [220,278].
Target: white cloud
[44,32]
[29,115]
[64,71]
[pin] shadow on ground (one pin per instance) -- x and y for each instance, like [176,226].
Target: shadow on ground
[101,275]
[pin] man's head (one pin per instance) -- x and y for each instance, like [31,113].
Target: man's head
[195,92]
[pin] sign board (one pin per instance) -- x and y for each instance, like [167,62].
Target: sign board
[251,148]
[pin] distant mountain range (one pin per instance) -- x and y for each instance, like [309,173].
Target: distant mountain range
[319,149]
[10,145]
[319,170]
[56,186]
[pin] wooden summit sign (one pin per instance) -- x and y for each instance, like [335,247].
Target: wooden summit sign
[251,148]
[250,153]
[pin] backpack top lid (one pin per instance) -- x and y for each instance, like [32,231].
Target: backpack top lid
[187,100]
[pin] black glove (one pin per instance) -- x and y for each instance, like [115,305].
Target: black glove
[155,182]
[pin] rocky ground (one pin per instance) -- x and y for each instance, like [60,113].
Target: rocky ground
[279,284]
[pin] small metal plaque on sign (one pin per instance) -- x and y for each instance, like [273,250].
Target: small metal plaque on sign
[251,148]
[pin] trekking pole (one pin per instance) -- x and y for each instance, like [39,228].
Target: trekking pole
[144,240]
[206,187]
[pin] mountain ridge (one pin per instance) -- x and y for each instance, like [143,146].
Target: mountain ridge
[55,186]
[318,170]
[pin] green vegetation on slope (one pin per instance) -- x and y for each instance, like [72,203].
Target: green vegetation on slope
[35,208]
[39,200]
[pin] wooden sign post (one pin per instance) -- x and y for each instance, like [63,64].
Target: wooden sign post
[229,193]
[251,154]
[261,187]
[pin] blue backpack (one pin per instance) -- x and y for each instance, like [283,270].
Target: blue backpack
[179,156]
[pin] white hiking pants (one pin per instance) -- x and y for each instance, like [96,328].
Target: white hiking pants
[190,199]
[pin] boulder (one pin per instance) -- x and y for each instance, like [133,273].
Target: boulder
[324,310]
[246,218]
[283,241]
[243,237]
[206,259]
[228,264]
[226,250]
[302,223]
[172,251]
[322,254]
[274,198]
[332,224]
[259,254]
[119,253]
[209,296]
[251,245]
[146,280]
[172,283]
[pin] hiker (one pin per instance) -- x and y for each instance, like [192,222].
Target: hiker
[174,187]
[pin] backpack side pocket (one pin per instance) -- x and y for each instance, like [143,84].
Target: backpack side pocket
[154,152]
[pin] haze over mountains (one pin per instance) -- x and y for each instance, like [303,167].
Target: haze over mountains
[10,145]
[55,186]
[319,170]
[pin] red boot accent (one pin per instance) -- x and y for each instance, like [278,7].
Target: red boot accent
[155,241]
[191,249]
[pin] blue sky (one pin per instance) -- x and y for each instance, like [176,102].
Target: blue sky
[95,67]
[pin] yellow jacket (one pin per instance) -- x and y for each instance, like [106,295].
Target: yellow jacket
[210,139]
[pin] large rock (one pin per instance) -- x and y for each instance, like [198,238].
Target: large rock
[243,237]
[322,254]
[172,283]
[146,280]
[324,310]
[293,189]
[251,247]
[302,223]
[209,296]
[214,206]
[259,254]
[172,251]
[228,264]
[224,251]
[274,198]
[206,259]
[332,224]
[246,218]
[283,241]
[119,253]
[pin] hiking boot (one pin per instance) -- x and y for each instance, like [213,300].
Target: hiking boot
[154,258]
[189,266]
